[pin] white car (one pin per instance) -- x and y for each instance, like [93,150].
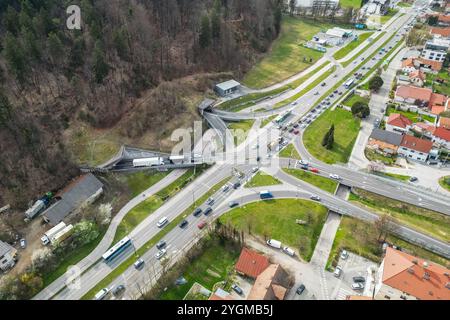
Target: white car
[337,272]
[335,176]
[255,169]
[302,162]
[23,243]
[289,251]
[358,286]
[101,294]
[225,188]
[344,255]
[160,254]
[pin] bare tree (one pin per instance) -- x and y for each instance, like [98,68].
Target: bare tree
[385,225]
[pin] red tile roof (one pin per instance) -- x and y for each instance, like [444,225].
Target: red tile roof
[413,143]
[442,133]
[425,126]
[423,94]
[409,274]
[417,74]
[445,32]
[434,65]
[437,109]
[398,120]
[437,99]
[251,264]
[408,63]
[444,18]
[444,122]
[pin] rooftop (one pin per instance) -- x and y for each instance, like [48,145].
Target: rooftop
[399,120]
[386,136]
[423,94]
[442,133]
[271,284]
[4,248]
[415,276]
[445,32]
[228,85]
[434,65]
[251,263]
[417,144]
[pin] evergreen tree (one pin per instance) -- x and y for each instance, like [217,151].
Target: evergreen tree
[330,141]
[205,33]
[100,67]
[15,56]
[215,20]
[55,47]
[277,18]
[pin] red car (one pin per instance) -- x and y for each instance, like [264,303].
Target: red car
[315,170]
[296,131]
[201,225]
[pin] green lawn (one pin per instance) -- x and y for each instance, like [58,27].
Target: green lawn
[341,53]
[413,116]
[277,219]
[290,152]
[346,63]
[404,4]
[266,121]
[140,181]
[287,54]
[350,4]
[442,88]
[399,177]
[262,179]
[345,134]
[355,98]
[430,222]
[243,128]
[445,182]
[389,15]
[375,156]
[152,242]
[323,183]
[212,266]
[248,100]
[360,237]
[152,203]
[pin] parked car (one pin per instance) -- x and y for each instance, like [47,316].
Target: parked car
[359,279]
[344,254]
[160,254]
[118,290]
[233,204]
[255,169]
[237,289]
[337,272]
[291,130]
[300,289]
[289,251]
[315,198]
[139,263]
[358,286]
[197,212]
[296,132]
[323,84]
[161,244]
[201,225]
[183,223]
[23,243]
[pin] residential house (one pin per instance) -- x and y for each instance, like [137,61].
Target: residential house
[385,141]
[444,122]
[272,284]
[441,137]
[408,65]
[415,148]
[417,78]
[437,110]
[403,276]
[403,80]
[424,129]
[438,100]
[398,123]
[413,96]
[442,32]
[427,65]
[84,190]
[7,256]
[444,20]
[411,53]
[251,264]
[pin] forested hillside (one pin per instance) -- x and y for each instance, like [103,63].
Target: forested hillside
[52,79]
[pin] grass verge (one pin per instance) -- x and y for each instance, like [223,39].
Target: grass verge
[445,182]
[290,152]
[323,183]
[341,53]
[262,179]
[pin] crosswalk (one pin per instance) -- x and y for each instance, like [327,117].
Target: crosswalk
[343,293]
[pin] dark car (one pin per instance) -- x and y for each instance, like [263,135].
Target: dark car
[118,290]
[291,130]
[161,244]
[236,185]
[237,289]
[233,204]
[304,167]
[359,279]
[296,125]
[183,223]
[413,179]
[197,212]
[300,289]
[323,84]
[207,211]
[315,198]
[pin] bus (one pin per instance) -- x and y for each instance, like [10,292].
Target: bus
[282,117]
[349,83]
[118,248]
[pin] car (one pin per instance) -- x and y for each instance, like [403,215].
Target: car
[183,223]
[308,121]
[296,132]
[284,128]
[328,103]
[291,130]
[236,185]
[340,93]
[335,176]
[233,204]
[337,271]
[344,254]
[335,91]
[317,93]
[303,126]
[255,169]
[101,294]
[160,254]
[304,167]
[23,243]
[323,84]
[359,279]
[335,76]
[161,244]
[357,286]
[210,201]
[207,211]
[413,179]
[300,289]
[295,125]
[331,95]
[315,198]
[294,103]
[201,225]
[118,290]
[302,162]
[315,170]
[139,263]
[313,110]
[197,212]
[373,58]
[237,289]
[225,188]
[289,251]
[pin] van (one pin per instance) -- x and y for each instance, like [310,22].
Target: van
[274,243]
[101,294]
[162,222]
[289,251]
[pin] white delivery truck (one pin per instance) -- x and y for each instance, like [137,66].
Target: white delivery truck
[62,235]
[148,162]
[47,237]
[176,159]
[35,209]
[274,243]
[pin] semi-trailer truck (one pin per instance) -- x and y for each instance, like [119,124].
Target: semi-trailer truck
[48,236]
[37,207]
[148,162]
[176,159]
[62,235]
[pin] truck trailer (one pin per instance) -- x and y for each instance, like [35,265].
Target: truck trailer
[49,235]
[37,207]
[62,235]
[176,159]
[148,162]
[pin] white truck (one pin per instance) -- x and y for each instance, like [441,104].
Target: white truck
[148,162]
[274,243]
[49,235]
[62,235]
[35,209]
[176,159]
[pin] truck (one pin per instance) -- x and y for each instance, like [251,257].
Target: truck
[148,162]
[48,236]
[265,195]
[35,209]
[62,235]
[274,243]
[176,159]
